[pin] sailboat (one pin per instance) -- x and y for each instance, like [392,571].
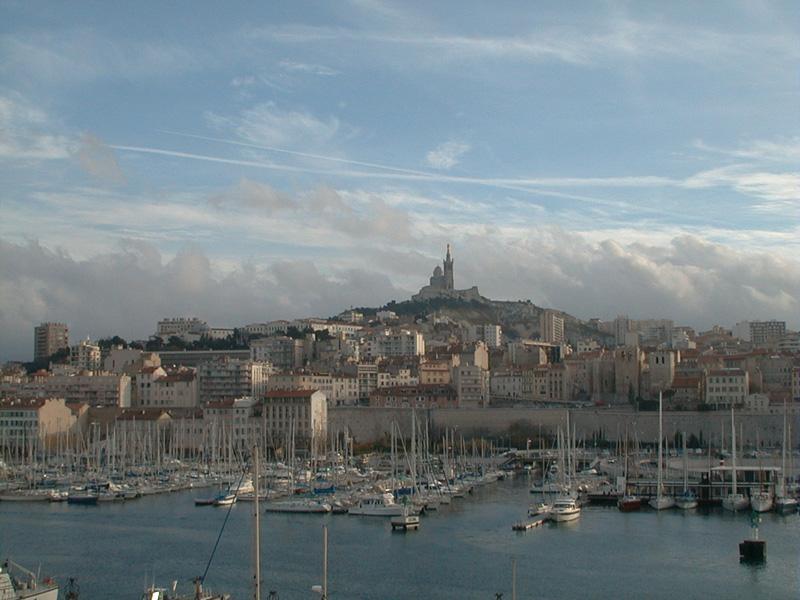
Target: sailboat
[734,500]
[628,502]
[566,506]
[784,504]
[687,499]
[761,501]
[661,501]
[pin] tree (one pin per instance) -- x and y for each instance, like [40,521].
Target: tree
[106,343]
[154,344]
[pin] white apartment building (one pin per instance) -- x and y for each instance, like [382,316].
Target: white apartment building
[796,384]
[551,327]
[388,343]
[492,335]
[766,333]
[588,345]
[304,412]
[726,387]
[85,356]
[232,378]
[180,326]
[282,352]
[367,375]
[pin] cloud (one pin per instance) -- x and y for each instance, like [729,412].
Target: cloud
[687,278]
[446,155]
[99,160]
[312,69]
[268,124]
[112,293]
[581,45]
[252,194]
[79,55]
[26,132]
[779,150]
[777,190]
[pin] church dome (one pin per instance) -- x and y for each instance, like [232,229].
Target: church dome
[437,272]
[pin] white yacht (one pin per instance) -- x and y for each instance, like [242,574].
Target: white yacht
[377,505]
[565,508]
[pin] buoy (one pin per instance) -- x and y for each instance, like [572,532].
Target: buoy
[753,550]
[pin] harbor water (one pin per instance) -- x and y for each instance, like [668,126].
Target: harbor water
[464,550]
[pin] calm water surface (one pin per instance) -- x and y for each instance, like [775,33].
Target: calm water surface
[461,551]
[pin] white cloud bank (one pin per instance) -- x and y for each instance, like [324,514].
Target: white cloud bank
[125,291]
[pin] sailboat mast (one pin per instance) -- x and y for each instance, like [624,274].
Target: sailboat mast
[733,452]
[660,438]
[783,453]
[256,528]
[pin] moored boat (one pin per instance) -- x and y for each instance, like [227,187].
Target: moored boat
[629,503]
[18,583]
[565,508]
[379,505]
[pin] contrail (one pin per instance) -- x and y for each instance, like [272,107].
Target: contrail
[302,154]
[402,176]
[431,177]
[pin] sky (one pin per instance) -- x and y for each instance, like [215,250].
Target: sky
[254,161]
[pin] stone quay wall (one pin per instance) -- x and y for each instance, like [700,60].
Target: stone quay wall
[368,424]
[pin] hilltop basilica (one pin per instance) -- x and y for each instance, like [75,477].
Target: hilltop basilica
[441,284]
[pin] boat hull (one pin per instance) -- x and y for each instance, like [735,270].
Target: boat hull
[735,502]
[761,502]
[662,502]
[629,504]
[564,516]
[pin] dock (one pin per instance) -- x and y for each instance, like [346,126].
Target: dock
[538,521]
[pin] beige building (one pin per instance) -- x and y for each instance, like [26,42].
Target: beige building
[505,386]
[661,365]
[95,390]
[472,386]
[302,412]
[415,396]
[402,377]
[49,338]
[24,421]
[726,387]
[233,420]
[340,390]
[434,373]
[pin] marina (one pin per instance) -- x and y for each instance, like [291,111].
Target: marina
[168,538]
